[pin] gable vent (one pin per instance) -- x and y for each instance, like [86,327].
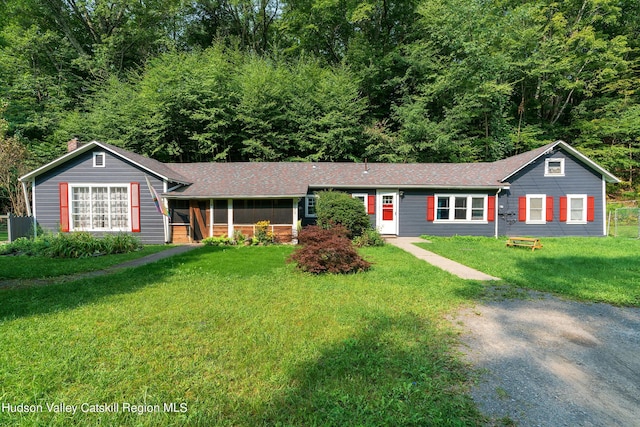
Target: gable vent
[98,160]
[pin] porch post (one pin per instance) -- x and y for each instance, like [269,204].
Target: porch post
[294,226]
[210,217]
[230,218]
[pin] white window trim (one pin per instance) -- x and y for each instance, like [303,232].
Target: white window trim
[546,166]
[544,208]
[364,196]
[306,205]
[584,208]
[71,212]
[104,159]
[468,219]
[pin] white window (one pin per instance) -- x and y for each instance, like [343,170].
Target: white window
[98,160]
[554,167]
[576,208]
[362,197]
[536,208]
[460,208]
[310,206]
[100,207]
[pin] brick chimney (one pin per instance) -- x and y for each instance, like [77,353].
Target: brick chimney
[73,144]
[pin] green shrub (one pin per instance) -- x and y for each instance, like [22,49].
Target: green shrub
[73,245]
[238,237]
[120,243]
[338,208]
[263,234]
[218,241]
[327,251]
[369,237]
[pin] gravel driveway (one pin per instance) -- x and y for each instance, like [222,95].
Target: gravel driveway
[545,361]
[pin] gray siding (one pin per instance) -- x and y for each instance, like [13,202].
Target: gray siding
[577,179]
[307,220]
[413,217]
[80,170]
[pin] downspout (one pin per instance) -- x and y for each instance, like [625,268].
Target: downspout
[165,219]
[495,210]
[604,207]
[26,197]
[211,217]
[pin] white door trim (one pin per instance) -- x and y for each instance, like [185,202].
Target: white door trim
[387,227]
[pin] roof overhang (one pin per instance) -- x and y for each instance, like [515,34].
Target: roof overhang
[504,186]
[57,162]
[233,196]
[83,149]
[606,175]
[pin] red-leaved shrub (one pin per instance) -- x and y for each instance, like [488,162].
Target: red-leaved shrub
[327,251]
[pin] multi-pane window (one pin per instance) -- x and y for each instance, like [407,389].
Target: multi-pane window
[536,209]
[100,207]
[477,208]
[461,208]
[362,197]
[310,206]
[577,207]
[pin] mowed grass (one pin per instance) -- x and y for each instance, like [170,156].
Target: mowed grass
[242,339]
[591,269]
[37,267]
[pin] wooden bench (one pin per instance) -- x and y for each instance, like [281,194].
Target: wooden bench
[527,242]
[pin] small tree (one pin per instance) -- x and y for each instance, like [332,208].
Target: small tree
[13,158]
[337,208]
[327,251]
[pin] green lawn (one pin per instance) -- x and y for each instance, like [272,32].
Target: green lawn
[591,269]
[27,267]
[242,339]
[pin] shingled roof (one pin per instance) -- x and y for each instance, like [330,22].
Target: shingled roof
[294,179]
[247,180]
[152,165]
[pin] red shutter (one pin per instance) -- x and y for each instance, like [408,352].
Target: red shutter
[491,209]
[64,206]
[431,208]
[563,209]
[591,208]
[549,208]
[522,208]
[135,207]
[371,205]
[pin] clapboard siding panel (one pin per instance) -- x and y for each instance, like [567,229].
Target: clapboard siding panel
[80,170]
[577,179]
[413,217]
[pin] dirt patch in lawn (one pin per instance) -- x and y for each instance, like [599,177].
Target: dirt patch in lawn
[547,361]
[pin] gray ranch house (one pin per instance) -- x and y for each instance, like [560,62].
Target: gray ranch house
[553,190]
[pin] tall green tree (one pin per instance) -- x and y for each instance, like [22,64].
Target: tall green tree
[223,104]
[457,86]
[252,25]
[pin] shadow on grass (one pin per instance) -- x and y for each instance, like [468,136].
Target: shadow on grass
[396,371]
[45,299]
[549,361]
[613,280]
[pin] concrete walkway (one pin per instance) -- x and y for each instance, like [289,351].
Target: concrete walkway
[16,283]
[462,271]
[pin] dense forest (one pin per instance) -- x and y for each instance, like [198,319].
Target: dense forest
[320,80]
